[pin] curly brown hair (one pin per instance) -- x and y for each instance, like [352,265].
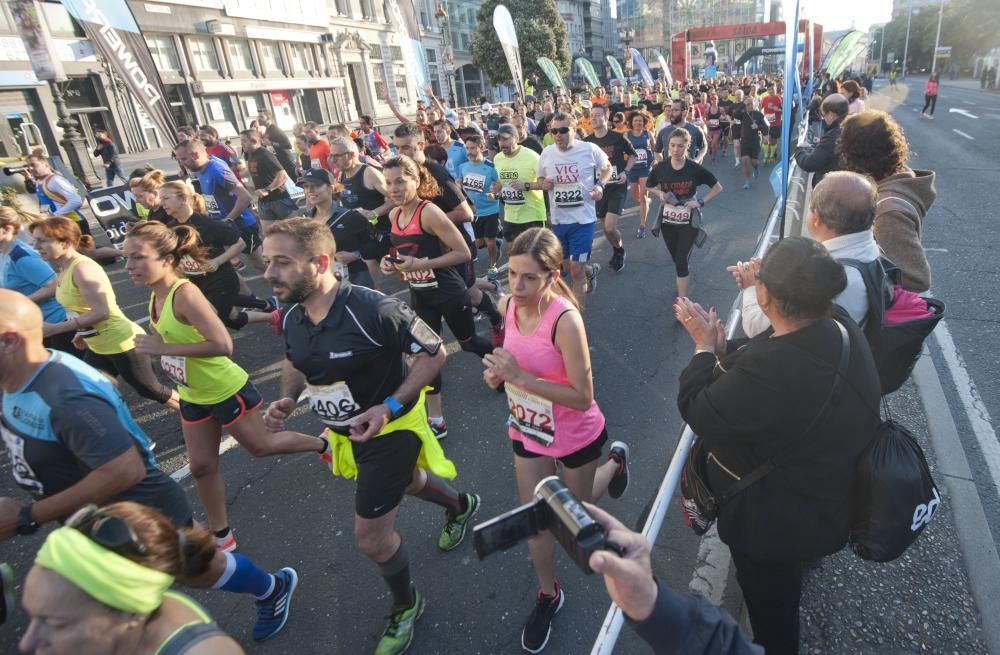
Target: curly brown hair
[872,143]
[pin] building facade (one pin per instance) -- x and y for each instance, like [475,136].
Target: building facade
[222,62]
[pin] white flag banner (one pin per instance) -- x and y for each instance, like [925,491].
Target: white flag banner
[504,25]
[663,66]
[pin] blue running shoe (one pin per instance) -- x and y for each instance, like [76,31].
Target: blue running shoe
[272,612]
[746,186]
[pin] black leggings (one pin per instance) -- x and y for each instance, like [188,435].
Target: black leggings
[772,590]
[680,243]
[457,313]
[224,297]
[135,368]
[929,101]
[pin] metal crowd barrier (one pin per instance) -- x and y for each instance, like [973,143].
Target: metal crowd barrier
[798,188]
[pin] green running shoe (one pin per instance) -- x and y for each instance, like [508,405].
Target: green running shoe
[454,530]
[398,634]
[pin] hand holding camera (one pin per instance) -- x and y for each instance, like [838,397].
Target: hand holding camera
[627,574]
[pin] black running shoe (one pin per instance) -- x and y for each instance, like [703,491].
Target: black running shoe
[619,482]
[617,262]
[539,625]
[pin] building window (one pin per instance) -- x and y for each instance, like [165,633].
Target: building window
[378,76]
[396,52]
[164,53]
[203,54]
[302,58]
[270,54]
[465,41]
[376,52]
[214,110]
[431,56]
[402,86]
[239,55]
[368,10]
[343,7]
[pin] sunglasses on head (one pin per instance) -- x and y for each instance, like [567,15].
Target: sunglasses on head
[560,130]
[111,532]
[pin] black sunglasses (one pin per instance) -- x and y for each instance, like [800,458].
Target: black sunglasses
[111,532]
[560,130]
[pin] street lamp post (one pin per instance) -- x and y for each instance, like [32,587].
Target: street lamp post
[448,56]
[72,141]
[937,39]
[627,34]
[881,50]
[906,44]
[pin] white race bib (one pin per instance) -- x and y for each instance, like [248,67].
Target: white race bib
[474,182]
[190,266]
[678,215]
[315,163]
[333,403]
[23,474]
[175,368]
[641,155]
[568,195]
[769,117]
[531,415]
[713,122]
[511,196]
[421,279]
[211,205]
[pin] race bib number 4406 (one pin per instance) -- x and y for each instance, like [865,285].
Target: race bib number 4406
[333,403]
[568,195]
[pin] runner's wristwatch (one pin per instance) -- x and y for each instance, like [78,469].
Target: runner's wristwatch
[394,406]
[701,202]
[25,524]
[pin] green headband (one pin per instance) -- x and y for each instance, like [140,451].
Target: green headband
[103,575]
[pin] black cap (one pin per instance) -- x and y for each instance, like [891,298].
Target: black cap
[507,130]
[317,176]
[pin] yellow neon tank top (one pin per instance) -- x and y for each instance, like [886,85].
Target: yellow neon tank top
[200,380]
[115,334]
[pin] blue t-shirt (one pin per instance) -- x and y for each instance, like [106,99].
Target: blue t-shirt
[456,157]
[476,180]
[642,145]
[217,182]
[68,420]
[24,271]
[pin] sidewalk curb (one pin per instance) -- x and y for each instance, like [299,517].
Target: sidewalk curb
[978,550]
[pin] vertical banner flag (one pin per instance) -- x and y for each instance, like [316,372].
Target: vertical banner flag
[403,18]
[810,35]
[647,75]
[587,72]
[504,26]
[111,27]
[37,42]
[664,67]
[616,68]
[549,68]
[791,57]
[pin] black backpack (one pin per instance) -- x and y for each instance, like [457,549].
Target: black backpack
[895,347]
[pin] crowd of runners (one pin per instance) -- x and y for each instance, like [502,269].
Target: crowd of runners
[521,187]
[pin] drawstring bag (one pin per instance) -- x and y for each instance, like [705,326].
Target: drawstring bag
[895,497]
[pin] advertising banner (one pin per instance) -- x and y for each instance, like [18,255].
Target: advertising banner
[549,68]
[403,17]
[111,27]
[504,26]
[35,35]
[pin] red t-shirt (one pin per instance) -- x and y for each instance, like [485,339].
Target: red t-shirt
[319,153]
[228,155]
[771,108]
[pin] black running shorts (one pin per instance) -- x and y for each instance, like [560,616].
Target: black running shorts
[585,455]
[487,227]
[613,200]
[385,469]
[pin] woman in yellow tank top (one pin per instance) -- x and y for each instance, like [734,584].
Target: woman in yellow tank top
[103,332]
[87,594]
[194,349]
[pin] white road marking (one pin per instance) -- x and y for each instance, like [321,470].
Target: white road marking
[935,250]
[183,472]
[969,102]
[960,132]
[975,410]
[712,570]
[963,112]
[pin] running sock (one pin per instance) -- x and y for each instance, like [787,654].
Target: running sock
[436,421]
[223,533]
[489,307]
[242,576]
[396,571]
[438,491]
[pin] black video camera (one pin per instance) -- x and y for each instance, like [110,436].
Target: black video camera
[555,509]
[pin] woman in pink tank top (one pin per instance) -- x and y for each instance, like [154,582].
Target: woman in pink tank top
[544,367]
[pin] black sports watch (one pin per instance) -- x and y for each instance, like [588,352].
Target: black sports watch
[25,524]
[701,202]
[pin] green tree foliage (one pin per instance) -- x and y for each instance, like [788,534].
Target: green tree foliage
[970,27]
[541,32]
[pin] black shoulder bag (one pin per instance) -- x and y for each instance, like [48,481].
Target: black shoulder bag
[699,504]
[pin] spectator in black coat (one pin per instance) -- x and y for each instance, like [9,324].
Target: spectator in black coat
[108,153]
[769,396]
[821,158]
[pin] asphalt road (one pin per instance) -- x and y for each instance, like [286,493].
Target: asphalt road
[290,511]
